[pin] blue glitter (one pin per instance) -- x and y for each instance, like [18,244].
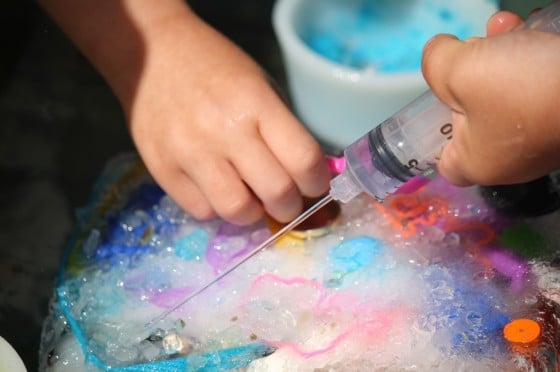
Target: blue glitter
[192,246]
[355,254]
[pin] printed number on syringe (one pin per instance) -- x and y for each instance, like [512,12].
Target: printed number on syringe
[447,130]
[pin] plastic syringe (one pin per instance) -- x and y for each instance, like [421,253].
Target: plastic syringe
[405,145]
[410,142]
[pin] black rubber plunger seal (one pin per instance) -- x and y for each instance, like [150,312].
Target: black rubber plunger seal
[383,158]
[530,199]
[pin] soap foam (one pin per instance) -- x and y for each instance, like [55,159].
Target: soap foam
[418,282]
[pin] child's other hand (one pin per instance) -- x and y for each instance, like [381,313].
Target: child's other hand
[503,90]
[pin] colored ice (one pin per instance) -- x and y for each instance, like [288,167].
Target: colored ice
[428,280]
[382,35]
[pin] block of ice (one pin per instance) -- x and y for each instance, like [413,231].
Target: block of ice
[425,281]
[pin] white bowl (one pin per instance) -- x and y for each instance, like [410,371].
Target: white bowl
[337,103]
[9,358]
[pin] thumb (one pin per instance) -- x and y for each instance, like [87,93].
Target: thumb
[451,166]
[441,53]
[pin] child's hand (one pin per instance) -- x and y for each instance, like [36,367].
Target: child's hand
[215,135]
[503,91]
[207,124]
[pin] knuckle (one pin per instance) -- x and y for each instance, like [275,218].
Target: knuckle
[236,207]
[312,175]
[201,211]
[282,192]
[310,160]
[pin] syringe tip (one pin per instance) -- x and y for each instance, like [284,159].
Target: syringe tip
[344,187]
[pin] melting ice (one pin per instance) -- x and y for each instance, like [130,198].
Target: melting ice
[424,281]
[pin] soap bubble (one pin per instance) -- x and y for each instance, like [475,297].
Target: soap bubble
[368,295]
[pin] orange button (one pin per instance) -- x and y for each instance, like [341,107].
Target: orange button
[522,331]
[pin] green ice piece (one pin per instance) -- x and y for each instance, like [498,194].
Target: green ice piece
[523,240]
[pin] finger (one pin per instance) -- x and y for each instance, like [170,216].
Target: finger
[502,21]
[296,150]
[189,197]
[224,189]
[268,179]
[439,57]
[450,167]
[181,189]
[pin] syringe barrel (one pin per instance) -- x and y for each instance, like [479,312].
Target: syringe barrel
[547,19]
[407,144]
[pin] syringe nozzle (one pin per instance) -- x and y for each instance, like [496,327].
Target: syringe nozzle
[344,187]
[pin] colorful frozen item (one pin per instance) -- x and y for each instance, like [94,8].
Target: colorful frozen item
[422,281]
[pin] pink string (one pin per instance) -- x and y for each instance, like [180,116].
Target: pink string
[371,327]
[378,323]
[170,296]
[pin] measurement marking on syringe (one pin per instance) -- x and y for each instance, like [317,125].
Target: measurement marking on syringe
[447,130]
